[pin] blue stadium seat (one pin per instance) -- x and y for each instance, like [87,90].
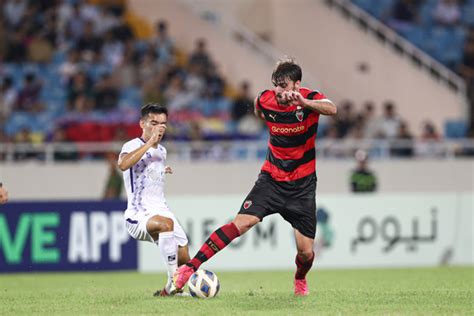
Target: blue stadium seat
[426,14]
[363,4]
[459,35]
[55,107]
[380,8]
[17,121]
[384,6]
[455,129]
[59,57]
[447,45]
[130,97]
[416,35]
[31,68]
[468,14]
[444,44]
[42,123]
[98,70]
[17,75]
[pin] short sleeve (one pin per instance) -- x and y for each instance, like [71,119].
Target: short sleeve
[258,105]
[129,147]
[316,95]
[165,153]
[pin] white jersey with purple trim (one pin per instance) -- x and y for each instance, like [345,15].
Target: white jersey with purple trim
[145,181]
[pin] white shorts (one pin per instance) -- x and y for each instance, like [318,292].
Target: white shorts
[135,221]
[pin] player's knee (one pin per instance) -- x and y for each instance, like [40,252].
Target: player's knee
[305,254]
[167,225]
[244,224]
[242,227]
[160,224]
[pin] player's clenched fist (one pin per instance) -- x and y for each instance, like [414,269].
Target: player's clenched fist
[293,97]
[156,136]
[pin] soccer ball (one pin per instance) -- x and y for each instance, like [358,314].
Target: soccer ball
[203,284]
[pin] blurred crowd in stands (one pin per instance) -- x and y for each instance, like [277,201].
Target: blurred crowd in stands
[442,28]
[80,69]
[75,71]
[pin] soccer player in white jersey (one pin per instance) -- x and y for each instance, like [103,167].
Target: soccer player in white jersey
[148,217]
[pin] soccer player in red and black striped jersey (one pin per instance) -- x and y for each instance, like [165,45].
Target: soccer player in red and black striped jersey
[287,182]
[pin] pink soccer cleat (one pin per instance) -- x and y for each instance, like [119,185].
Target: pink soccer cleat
[182,275]
[301,287]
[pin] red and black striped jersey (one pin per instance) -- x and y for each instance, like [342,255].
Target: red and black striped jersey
[291,148]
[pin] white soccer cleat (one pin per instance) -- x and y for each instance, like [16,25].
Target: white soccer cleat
[171,288]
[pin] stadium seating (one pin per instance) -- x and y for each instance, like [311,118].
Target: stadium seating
[455,129]
[445,44]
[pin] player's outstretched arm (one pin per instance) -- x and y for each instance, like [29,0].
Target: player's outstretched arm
[324,107]
[127,160]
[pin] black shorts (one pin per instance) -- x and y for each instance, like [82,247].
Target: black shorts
[295,201]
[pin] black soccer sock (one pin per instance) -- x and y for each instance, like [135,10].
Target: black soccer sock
[302,267]
[218,240]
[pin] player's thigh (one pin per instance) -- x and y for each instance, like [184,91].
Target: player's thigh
[264,199]
[301,214]
[159,224]
[171,223]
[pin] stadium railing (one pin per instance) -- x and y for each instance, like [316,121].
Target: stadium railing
[239,32]
[398,43]
[243,150]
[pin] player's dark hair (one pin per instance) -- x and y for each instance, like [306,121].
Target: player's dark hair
[153,108]
[286,69]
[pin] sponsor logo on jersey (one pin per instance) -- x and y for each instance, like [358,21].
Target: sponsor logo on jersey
[288,130]
[273,116]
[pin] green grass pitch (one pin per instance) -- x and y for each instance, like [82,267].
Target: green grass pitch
[423,291]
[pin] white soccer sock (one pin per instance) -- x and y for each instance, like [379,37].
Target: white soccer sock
[169,252]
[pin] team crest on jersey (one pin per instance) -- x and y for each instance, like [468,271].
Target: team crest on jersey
[299,115]
[247,204]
